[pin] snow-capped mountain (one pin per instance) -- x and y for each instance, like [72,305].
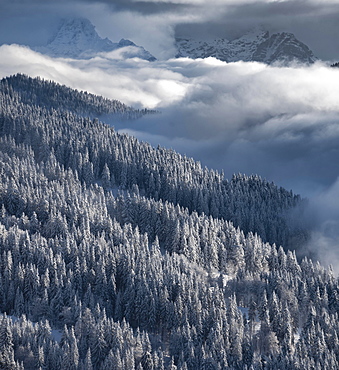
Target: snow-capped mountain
[256,45]
[283,47]
[77,38]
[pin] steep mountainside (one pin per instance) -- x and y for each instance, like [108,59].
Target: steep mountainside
[256,45]
[249,202]
[77,38]
[131,279]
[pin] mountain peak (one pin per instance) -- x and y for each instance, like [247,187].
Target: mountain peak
[257,33]
[283,47]
[124,42]
[255,45]
[77,38]
[75,26]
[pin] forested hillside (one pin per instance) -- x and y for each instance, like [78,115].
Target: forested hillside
[131,253]
[94,151]
[50,95]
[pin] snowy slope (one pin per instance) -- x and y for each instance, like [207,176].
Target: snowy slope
[256,45]
[77,38]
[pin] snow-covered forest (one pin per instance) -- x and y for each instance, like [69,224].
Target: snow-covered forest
[50,95]
[118,255]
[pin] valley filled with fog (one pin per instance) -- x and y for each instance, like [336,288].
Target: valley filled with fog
[169,184]
[277,121]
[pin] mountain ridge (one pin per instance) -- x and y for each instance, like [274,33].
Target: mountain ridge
[77,38]
[206,192]
[50,95]
[256,45]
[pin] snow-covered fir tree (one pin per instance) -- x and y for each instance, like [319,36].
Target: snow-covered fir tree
[117,255]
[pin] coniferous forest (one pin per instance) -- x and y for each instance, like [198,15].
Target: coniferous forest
[118,255]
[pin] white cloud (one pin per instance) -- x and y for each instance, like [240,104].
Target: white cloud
[154,32]
[134,82]
[323,218]
[279,122]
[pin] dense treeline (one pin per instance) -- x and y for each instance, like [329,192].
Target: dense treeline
[95,151]
[50,95]
[73,261]
[130,278]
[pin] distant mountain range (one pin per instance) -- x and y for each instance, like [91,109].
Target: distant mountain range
[77,38]
[256,45]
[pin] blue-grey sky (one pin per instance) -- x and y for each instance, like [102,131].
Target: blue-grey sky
[154,23]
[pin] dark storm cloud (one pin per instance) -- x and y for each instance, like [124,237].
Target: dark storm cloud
[145,7]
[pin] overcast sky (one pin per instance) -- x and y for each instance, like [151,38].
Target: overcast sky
[278,122]
[154,23]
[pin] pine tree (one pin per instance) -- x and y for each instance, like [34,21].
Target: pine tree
[6,344]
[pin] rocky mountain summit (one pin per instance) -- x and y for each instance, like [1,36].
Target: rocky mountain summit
[77,38]
[256,45]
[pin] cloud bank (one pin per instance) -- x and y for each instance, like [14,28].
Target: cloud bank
[279,122]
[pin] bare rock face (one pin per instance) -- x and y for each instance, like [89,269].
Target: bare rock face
[283,47]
